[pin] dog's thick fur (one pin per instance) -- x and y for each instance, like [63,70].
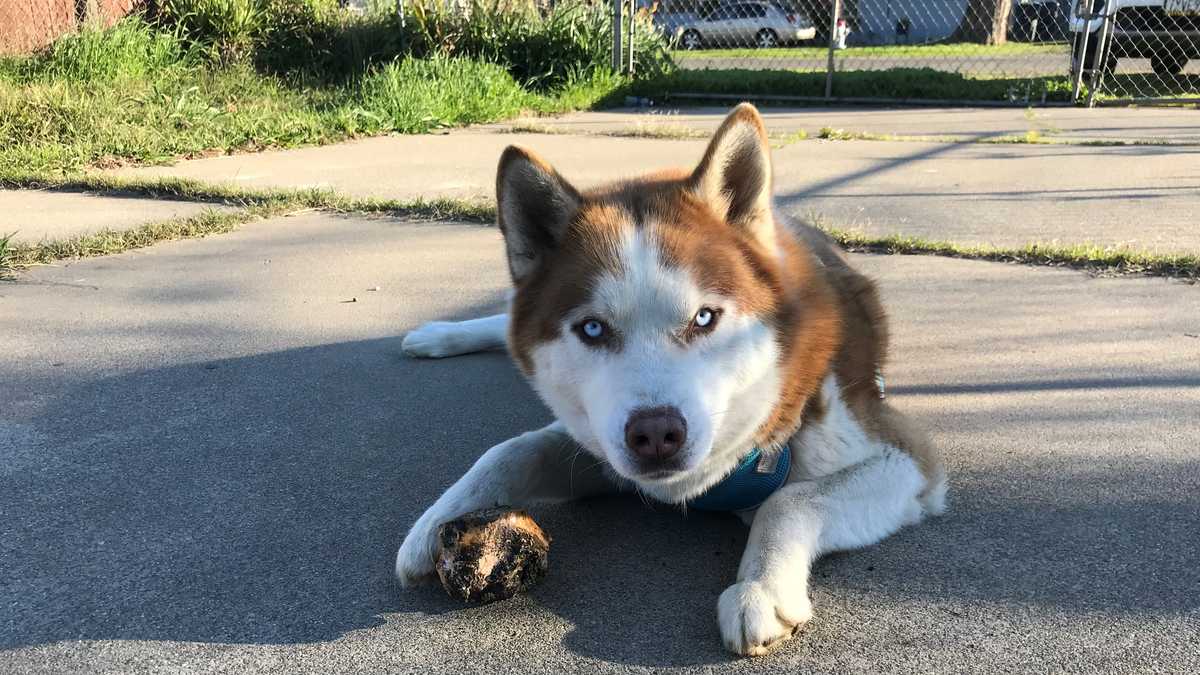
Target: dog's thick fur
[788,360]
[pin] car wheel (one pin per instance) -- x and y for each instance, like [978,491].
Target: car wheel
[766,39]
[1167,64]
[691,40]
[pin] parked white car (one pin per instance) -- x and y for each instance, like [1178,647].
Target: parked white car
[745,24]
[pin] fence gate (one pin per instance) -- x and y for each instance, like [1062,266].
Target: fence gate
[983,52]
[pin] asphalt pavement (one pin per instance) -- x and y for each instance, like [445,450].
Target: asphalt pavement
[210,449]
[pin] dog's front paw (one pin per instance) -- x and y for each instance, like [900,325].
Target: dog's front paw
[415,559]
[754,618]
[435,340]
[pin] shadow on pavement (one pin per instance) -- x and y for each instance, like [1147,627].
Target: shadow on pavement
[261,500]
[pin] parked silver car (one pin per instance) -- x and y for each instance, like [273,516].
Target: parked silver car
[746,24]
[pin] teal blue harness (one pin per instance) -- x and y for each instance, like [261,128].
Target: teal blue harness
[756,478]
[750,484]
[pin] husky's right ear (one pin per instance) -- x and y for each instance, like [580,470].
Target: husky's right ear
[534,207]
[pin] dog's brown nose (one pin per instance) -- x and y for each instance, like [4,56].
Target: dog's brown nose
[655,434]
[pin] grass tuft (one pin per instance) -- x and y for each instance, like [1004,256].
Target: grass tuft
[251,205]
[659,129]
[6,247]
[16,257]
[130,49]
[1102,260]
[1031,137]
[413,96]
[787,139]
[832,134]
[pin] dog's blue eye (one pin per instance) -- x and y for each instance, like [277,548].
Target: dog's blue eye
[593,329]
[593,332]
[705,318]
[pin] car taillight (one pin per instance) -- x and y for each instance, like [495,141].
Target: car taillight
[791,19]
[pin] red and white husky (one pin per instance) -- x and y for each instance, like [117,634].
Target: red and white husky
[674,326]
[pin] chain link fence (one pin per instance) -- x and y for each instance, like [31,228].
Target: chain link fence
[1138,50]
[980,51]
[29,25]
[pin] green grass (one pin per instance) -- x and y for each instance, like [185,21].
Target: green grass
[61,125]
[1145,85]
[251,205]
[15,256]
[131,49]
[1102,260]
[896,83]
[1031,137]
[6,254]
[137,93]
[243,197]
[965,49]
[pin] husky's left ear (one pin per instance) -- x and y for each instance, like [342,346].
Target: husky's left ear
[734,176]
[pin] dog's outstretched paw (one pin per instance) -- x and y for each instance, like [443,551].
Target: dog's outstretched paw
[415,559]
[435,340]
[754,619]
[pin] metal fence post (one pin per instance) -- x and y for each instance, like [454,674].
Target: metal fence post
[616,36]
[833,21]
[400,16]
[632,18]
[1100,63]
[1085,16]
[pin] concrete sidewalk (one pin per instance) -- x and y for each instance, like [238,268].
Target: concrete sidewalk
[208,455]
[970,193]
[1067,124]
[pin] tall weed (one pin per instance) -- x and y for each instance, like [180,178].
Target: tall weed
[129,49]
[416,95]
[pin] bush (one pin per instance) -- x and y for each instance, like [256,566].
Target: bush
[230,28]
[315,39]
[541,48]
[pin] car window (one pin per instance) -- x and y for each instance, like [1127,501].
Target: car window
[720,14]
[755,11]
